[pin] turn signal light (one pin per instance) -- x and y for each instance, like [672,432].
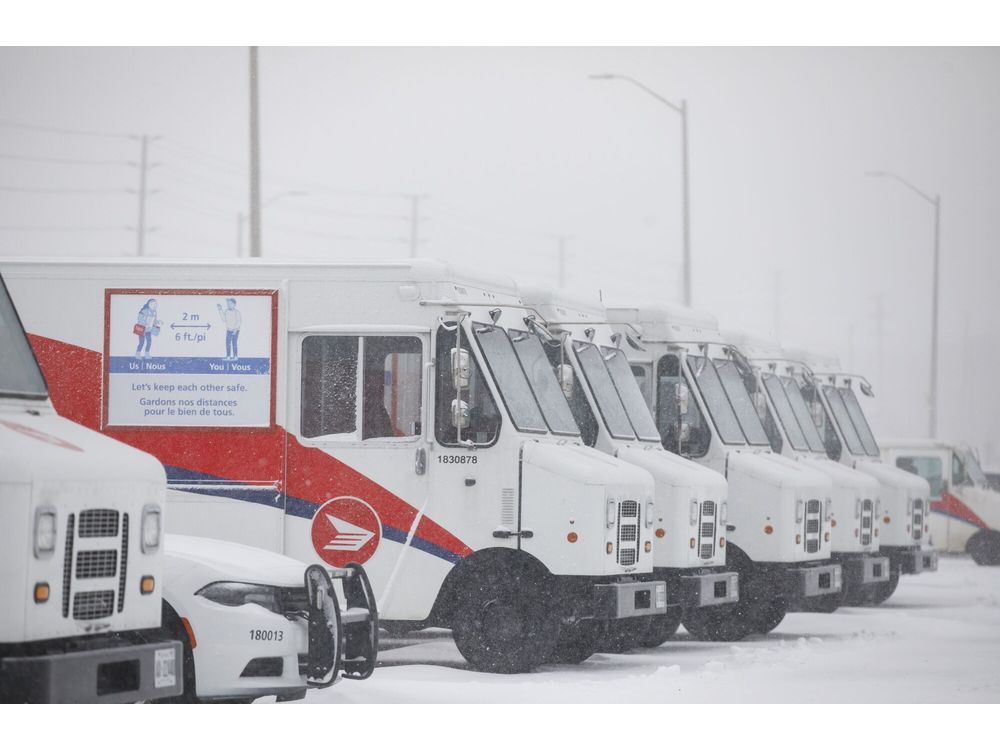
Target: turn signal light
[648,546]
[833,522]
[147,584]
[610,547]
[722,541]
[41,593]
[768,529]
[886,519]
[692,543]
[876,532]
[926,529]
[660,533]
[826,537]
[798,539]
[571,537]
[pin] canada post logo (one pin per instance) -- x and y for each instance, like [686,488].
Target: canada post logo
[345,530]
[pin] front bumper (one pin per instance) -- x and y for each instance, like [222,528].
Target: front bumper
[918,561]
[814,580]
[864,570]
[113,674]
[707,589]
[618,600]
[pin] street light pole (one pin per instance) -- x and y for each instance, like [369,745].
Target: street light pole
[935,201]
[680,109]
[255,231]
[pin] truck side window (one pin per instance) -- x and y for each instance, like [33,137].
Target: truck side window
[484,417]
[642,379]
[959,475]
[683,433]
[928,467]
[391,386]
[329,385]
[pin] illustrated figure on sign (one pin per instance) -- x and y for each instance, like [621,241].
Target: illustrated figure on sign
[146,327]
[233,320]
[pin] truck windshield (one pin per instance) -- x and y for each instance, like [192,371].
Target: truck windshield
[543,383]
[859,421]
[836,401]
[803,416]
[736,389]
[716,400]
[19,375]
[783,408]
[631,396]
[603,388]
[972,467]
[510,379]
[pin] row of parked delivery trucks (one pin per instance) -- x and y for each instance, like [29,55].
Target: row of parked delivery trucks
[348,445]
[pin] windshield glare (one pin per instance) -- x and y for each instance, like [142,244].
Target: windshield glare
[510,380]
[631,396]
[542,379]
[859,421]
[19,376]
[603,389]
[839,410]
[743,405]
[802,414]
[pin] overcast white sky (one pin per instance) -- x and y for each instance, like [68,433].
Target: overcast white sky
[516,146]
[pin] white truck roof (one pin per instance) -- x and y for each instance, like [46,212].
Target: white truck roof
[667,322]
[753,345]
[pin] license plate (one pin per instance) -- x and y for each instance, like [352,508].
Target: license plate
[164,668]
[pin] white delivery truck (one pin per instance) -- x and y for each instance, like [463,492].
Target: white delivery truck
[903,524]
[854,533]
[965,510]
[80,551]
[688,516]
[779,509]
[358,412]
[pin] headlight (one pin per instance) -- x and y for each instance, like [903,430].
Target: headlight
[612,513]
[723,513]
[232,594]
[151,522]
[45,532]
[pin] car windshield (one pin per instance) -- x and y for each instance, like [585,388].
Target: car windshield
[716,400]
[972,467]
[510,379]
[736,389]
[543,383]
[859,421]
[631,396]
[803,415]
[836,401]
[603,388]
[786,415]
[19,376]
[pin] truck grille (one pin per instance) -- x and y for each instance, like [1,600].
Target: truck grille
[104,556]
[918,520]
[628,532]
[93,605]
[706,541]
[866,522]
[812,525]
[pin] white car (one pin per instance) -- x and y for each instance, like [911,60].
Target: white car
[255,623]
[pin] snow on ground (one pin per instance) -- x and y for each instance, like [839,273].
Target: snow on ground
[936,640]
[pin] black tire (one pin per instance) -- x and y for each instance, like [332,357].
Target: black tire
[984,547]
[884,590]
[721,622]
[577,642]
[504,622]
[661,628]
[396,628]
[765,616]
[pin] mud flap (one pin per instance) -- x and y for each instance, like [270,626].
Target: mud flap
[360,624]
[325,630]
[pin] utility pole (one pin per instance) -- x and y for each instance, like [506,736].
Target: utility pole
[143,166]
[561,239]
[240,218]
[777,304]
[255,233]
[414,223]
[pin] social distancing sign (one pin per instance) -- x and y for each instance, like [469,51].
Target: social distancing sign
[189,357]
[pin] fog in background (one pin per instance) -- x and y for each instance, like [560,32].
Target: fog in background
[513,148]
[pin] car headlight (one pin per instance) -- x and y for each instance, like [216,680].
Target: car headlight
[151,523]
[233,594]
[45,532]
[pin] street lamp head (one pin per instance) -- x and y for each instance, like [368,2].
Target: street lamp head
[602,76]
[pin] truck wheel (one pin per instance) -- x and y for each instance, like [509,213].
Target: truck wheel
[765,616]
[504,622]
[984,547]
[721,622]
[884,590]
[661,628]
[577,642]
[395,628]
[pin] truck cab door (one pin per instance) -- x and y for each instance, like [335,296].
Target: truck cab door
[357,456]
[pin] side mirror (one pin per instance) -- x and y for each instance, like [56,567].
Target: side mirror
[460,368]
[459,414]
[683,397]
[759,403]
[566,379]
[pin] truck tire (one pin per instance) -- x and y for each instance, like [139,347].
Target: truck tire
[764,616]
[884,590]
[577,642]
[722,622]
[504,621]
[984,547]
[661,628]
[641,632]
